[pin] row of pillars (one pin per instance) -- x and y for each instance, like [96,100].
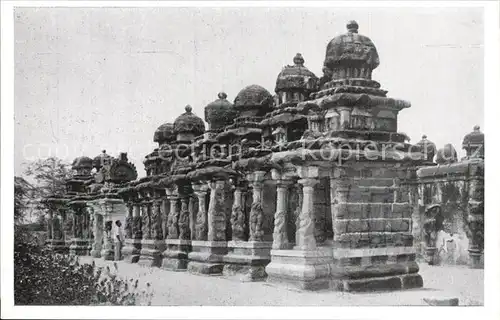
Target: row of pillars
[145,219]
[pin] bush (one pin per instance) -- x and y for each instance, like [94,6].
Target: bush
[42,277]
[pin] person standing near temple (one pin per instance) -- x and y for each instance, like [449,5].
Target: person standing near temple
[118,237]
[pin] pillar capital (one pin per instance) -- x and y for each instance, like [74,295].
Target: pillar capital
[283,183]
[308,182]
[217,184]
[200,187]
[306,172]
[256,176]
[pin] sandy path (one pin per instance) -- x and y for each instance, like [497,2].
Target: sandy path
[181,288]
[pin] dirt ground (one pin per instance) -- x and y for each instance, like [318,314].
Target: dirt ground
[183,289]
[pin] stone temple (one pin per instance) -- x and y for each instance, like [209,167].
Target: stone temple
[312,187]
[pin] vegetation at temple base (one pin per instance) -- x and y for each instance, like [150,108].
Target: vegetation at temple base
[42,277]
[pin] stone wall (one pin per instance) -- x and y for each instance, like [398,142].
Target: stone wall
[457,189]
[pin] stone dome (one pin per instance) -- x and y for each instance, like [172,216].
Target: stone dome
[351,50]
[428,147]
[82,163]
[296,76]
[475,138]
[188,122]
[101,159]
[473,143]
[254,97]
[446,155]
[164,133]
[220,112]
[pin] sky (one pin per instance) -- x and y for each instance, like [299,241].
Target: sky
[88,79]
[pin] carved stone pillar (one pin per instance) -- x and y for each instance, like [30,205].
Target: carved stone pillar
[79,245]
[176,253]
[306,266]
[88,229]
[50,217]
[108,246]
[216,214]
[184,229]
[98,231]
[129,221]
[209,246]
[256,212]
[152,248]
[296,214]
[58,243]
[430,234]
[246,260]
[305,239]
[280,236]
[157,232]
[135,253]
[238,218]
[475,222]
[201,191]
[146,218]
[172,222]
[193,211]
[416,217]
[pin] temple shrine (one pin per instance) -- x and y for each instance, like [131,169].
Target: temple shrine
[312,187]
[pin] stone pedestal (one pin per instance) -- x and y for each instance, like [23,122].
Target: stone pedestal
[108,252]
[301,269]
[246,261]
[79,247]
[207,257]
[175,257]
[59,246]
[476,259]
[306,267]
[130,252]
[151,252]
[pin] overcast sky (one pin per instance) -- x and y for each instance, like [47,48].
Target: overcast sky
[88,79]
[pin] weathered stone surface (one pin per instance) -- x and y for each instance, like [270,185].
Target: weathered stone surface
[432,301]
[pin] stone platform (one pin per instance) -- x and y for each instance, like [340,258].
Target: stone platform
[345,270]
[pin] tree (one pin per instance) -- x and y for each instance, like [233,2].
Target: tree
[50,175]
[49,178]
[23,193]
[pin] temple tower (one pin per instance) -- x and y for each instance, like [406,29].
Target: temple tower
[352,150]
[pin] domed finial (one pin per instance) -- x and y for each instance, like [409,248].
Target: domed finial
[222,95]
[103,151]
[352,26]
[188,108]
[424,137]
[298,60]
[476,128]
